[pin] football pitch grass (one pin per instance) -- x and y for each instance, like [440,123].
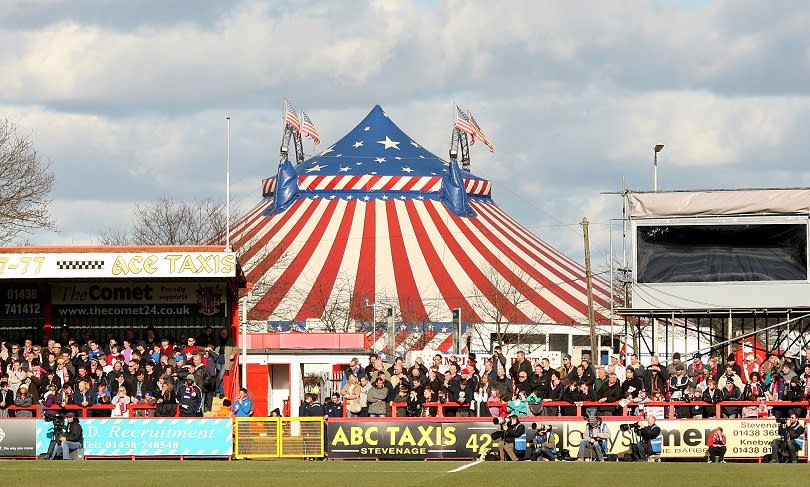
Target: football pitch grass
[395,474]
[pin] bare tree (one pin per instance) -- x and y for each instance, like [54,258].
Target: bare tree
[171,222]
[329,303]
[492,307]
[25,186]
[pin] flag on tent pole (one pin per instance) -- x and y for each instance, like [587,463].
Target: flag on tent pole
[308,129]
[464,124]
[289,116]
[480,133]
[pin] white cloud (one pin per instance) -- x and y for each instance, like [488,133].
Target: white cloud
[573,98]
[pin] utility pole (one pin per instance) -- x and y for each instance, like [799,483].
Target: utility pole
[588,278]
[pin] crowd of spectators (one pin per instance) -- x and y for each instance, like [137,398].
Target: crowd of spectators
[497,386]
[105,376]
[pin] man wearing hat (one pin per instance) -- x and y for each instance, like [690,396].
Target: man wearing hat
[595,437]
[618,368]
[190,398]
[71,439]
[676,361]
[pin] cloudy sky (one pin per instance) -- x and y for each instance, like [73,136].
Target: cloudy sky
[127,100]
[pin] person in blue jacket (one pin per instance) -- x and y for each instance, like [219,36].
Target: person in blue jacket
[242,406]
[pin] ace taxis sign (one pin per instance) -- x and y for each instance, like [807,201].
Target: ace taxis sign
[118,265]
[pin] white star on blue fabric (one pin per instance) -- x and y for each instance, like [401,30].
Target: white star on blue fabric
[327,151]
[344,169]
[366,198]
[358,163]
[357,144]
[414,144]
[317,167]
[420,157]
[366,128]
[388,143]
[403,197]
[420,197]
[407,169]
[332,197]
[444,329]
[348,197]
[373,173]
[433,174]
[385,197]
[338,155]
[397,158]
[379,159]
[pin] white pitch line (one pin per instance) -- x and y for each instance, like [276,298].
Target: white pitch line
[459,469]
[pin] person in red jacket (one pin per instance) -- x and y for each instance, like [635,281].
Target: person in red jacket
[717,446]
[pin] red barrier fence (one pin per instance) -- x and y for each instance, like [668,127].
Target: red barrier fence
[670,406]
[134,409]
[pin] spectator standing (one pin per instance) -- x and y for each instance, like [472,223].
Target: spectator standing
[377,398]
[351,392]
[190,398]
[520,365]
[166,405]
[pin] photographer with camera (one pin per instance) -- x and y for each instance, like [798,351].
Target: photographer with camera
[509,428]
[71,438]
[791,439]
[545,444]
[596,438]
[642,449]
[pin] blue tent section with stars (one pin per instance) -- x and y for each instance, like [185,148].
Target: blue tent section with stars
[378,147]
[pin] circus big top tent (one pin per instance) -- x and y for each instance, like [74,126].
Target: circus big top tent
[377,218]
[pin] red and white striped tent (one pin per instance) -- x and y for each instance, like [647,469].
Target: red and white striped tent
[373,219]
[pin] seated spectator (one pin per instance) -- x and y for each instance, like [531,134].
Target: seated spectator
[535,401]
[23,400]
[572,395]
[731,393]
[120,403]
[496,404]
[610,392]
[224,411]
[553,392]
[794,393]
[166,404]
[6,398]
[712,396]
[518,406]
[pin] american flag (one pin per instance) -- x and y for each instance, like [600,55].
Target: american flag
[308,129]
[480,133]
[463,123]
[289,116]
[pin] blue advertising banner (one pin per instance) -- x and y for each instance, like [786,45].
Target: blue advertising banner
[151,436]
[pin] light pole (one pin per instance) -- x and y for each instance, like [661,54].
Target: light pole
[373,306]
[656,149]
[391,338]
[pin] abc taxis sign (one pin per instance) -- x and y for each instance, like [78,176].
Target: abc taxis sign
[118,265]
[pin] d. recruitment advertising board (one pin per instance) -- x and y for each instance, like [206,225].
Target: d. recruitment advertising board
[435,438]
[146,437]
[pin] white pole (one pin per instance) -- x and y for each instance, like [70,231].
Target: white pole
[228,185]
[655,171]
[243,336]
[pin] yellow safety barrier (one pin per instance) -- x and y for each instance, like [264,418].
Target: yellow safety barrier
[278,437]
